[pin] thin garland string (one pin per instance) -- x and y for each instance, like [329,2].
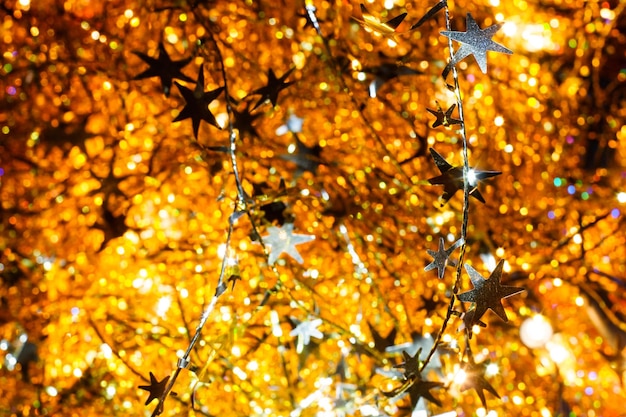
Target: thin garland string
[466,194]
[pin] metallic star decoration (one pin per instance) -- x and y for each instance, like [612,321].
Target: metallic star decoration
[475,378]
[411,364]
[272,88]
[164,68]
[441,257]
[444,119]
[488,293]
[386,29]
[305,331]
[156,387]
[452,178]
[282,240]
[475,41]
[197,104]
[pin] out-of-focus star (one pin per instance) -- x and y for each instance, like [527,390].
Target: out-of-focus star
[243,121]
[452,178]
[293,124]
[386,29]
[197,104]
[411,364]
[475,378]
[282,240]
[305,331]
[444,119]
[475,41]
[441,257]
[164,68]
[386,72]
[488,293]
[156,387]
[382,342]
[272,88]
[306,158]
[421,389]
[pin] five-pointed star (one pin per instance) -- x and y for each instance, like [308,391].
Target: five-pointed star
[421,389]
[156,387]
[475,41]
[452,178]
[272,88]
[386,29]
[197,104]
[441,257]
[488,293]
[444,119]
[411,364]
[306,158]
[164,68]
[475,378]
[283,240]
[305,331]
[243,121]
[386,72]
[382,342]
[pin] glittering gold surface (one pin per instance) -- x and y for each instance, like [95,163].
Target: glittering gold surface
[114,220]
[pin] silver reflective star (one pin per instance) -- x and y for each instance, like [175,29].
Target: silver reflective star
[282,240]
[304,331]
[475,41]
[441,257]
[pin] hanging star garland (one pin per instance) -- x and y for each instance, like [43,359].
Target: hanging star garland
[197,104]
[488,293]
[441,257]
[156,388]
[272,88]
[452,178]
[475,41]
[387,29]
[444,119]
[475,379]
[282,240]
[164,68]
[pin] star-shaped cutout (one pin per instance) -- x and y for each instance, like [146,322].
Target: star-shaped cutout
[488,293]
[243,121]
[382,342]
[475,41]
[386,29]
[272,88]
[282,240]
[156,387]
[444,119]
[411,364]
[452,178]
[164,68]
[441,257]
[305,331]
[475,378]
[197,104]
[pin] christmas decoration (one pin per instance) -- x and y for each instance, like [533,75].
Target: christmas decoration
[164,68]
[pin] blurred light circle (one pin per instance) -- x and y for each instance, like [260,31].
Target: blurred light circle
[536,331]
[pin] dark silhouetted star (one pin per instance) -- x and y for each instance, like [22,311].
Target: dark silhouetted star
[272,88]
[197,104]
[164,68]
[386,29]
[156,388]
[441,257]
[411,364]
[444,119]
[452,178]
[243,121]
[488,293]
[380,342]
[421,389]
[475,378]
[475,41]
[386,72]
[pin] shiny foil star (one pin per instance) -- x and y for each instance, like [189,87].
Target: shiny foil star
[282,240]
[444,119]
[441,257]
[488,293]
[197,104]
[164,68]
[475,41]
[156,387]
[272,88]
[411,364]
[452,178]
[386,29]
[475,379]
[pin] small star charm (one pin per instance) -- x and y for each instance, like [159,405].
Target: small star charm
[475,378]
[411,364]
[282,240]
[444,119]
[386,29]
[305,331]
[488,293]
[243,121]
[197,104]
[156,387]
[273,87]
[164,68]
[475,41]
[441,257]
[452,178]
